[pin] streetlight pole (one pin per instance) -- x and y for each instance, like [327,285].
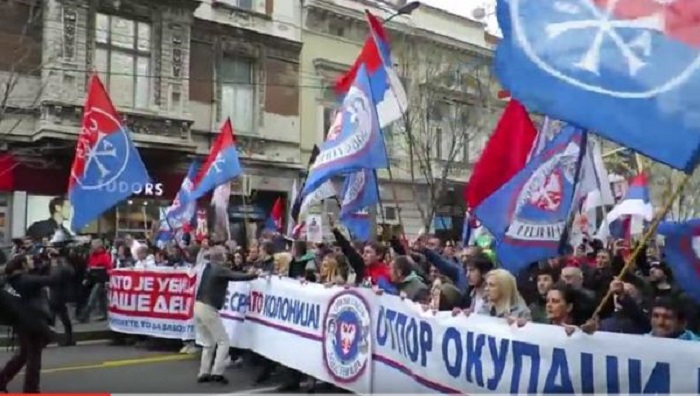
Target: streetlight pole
[407,9]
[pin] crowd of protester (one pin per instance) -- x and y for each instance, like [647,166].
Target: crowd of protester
[563,291]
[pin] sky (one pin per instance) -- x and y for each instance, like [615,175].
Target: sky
[459,7]
[466,8]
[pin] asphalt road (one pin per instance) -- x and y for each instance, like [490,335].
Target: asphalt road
[98,367]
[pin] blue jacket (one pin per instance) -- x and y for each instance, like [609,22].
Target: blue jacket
[449,268]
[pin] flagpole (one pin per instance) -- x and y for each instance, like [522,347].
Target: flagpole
[569,225]
[640,163]
[645,239]
[245,218]
[381,205]
[410,7]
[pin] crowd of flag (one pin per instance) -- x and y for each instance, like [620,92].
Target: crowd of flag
[553,178]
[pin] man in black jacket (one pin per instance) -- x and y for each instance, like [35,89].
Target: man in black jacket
[31,321]
[58,294]
[210,299]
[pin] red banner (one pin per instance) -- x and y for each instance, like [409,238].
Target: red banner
[150,294]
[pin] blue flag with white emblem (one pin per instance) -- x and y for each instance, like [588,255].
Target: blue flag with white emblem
[106,168]
[358,145]
[682,252]
[528,216]
[628,70]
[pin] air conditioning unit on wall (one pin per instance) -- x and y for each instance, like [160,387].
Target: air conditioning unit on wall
[241,186]
[391,215]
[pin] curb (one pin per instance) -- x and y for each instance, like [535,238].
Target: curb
[80,336]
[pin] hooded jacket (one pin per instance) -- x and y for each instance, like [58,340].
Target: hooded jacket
[414,288]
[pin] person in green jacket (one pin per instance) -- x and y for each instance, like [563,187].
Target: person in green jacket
[302,261]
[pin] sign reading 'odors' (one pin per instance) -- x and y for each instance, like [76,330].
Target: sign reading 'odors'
[153,189]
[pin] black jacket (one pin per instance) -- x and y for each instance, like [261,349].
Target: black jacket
[28,299]
[214,283]
[60,291]
[45,229]
[297,267]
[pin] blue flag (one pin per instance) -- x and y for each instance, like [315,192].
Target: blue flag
[528,216]
[682,251]
[625,70]
[221,165]
[183,209]
[466,230]
[107,168]
[359,226]
[359,144]
[359,192]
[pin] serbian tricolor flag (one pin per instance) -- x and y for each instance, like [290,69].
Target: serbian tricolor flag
[274,221]
[387,90]
[628,217]
[504,155]
[221,165]
[106,164]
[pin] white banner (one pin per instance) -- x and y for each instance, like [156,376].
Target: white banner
[382,344]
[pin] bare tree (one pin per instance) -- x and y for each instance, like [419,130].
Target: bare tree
[21,40]
[21,66]
[451,111]
[663,181]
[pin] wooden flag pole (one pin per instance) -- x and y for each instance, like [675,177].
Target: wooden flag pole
[645,239]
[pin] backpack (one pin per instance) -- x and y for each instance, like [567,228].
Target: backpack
[22,315]
[10,305]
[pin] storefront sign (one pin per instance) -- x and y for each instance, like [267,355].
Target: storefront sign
[148,189]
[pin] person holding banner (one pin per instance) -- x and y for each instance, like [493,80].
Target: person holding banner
[209,301]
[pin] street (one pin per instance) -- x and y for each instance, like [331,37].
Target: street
[99,367]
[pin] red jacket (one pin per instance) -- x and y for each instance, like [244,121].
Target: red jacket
[378,270]
[100,259]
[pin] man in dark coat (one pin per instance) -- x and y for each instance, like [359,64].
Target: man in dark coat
[59,292]
[32,321]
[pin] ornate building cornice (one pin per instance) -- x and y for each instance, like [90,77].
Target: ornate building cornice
[326,9]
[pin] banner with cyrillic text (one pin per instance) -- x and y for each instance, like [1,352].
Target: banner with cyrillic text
[157,303]
[382,344]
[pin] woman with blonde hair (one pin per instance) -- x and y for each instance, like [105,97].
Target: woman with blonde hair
[503,300]
[282,261]
[334,269]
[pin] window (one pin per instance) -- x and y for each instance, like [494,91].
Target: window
[123,59]
[238,93]
[244,4]
[329,119]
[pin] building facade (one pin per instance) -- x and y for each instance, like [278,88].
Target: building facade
[175,70]
[443,61]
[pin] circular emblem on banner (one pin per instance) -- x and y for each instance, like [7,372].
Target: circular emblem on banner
[346,337]
[603,46]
